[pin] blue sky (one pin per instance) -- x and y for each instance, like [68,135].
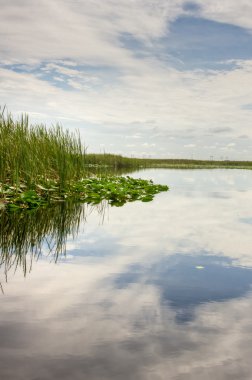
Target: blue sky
[153,78]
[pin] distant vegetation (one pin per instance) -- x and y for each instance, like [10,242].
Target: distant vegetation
[196,164]
[120,162]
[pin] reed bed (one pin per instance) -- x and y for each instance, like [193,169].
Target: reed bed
[34,154]
[40,165]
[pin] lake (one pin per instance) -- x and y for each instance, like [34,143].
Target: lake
[147,291]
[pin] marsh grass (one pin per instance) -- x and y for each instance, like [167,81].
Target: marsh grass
[34,154]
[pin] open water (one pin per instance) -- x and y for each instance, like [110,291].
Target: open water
[148,291]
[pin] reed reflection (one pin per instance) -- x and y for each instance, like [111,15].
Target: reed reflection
[25,235]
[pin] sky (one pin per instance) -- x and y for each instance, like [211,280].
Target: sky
[141,78]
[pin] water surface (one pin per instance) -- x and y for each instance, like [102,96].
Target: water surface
[158,290]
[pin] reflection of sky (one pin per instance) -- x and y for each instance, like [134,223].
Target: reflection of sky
[187,281]
[116,307]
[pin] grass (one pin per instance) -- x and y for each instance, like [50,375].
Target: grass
[34,154]
[40,165]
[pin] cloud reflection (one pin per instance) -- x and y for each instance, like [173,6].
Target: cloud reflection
[187,281]
[119,315]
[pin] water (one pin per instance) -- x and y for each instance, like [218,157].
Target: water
[149,291]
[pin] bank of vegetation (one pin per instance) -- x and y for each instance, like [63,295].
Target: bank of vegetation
[195,164]
[39,166]
[119,162]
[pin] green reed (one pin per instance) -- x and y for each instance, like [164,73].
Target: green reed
[33,154]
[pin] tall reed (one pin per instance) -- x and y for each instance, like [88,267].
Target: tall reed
[34,154]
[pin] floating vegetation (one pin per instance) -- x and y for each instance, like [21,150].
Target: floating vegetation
[116,190]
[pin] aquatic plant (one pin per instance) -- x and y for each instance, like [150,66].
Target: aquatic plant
[116,190]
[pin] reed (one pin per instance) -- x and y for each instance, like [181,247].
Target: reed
[34,154]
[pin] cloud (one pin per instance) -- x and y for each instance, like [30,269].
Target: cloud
[80,31]
[228,11]
[231,145]
[148,145]
[220,130]
[77,65]
[189,146]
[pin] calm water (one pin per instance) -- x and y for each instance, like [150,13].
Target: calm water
[149,291]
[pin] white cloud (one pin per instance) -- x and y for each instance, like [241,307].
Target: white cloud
[228,11]
[86,31]
[189,146]
[231,145]
[66,36]
[148,145]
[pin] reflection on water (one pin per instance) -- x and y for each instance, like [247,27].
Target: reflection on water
[149,291]
[186,281]
[25,235]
